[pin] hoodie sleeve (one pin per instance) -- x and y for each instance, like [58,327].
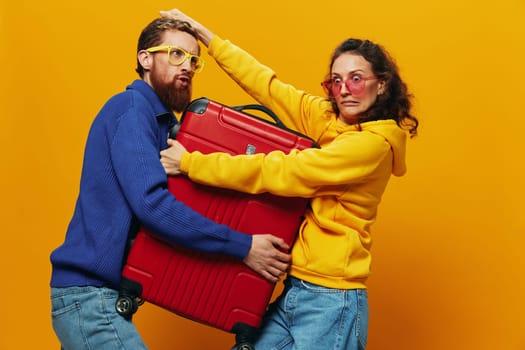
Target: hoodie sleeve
[293,106]
[307,173]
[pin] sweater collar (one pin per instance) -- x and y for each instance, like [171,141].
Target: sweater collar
[147,91]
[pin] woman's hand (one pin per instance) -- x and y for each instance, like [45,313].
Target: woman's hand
[205,35]
[171,156]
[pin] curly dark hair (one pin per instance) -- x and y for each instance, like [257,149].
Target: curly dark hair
[395,102]
[152,35]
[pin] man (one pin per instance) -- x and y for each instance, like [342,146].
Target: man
[124,182]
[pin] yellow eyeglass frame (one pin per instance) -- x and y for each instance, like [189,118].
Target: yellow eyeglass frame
[196,62]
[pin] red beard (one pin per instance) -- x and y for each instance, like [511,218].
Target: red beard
[175,95]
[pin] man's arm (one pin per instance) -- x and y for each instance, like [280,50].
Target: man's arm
[144,184]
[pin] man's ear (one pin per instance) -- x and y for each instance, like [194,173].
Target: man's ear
[145,59]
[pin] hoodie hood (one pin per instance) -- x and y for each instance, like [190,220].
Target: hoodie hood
[397,139]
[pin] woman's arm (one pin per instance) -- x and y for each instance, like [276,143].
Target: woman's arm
[294,107]
[307,173]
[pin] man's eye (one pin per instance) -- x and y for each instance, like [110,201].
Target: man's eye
[177,53]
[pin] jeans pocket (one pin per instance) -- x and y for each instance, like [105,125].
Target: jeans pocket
[66,320]
[60,308]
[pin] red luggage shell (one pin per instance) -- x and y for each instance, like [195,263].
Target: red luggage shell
[218,290]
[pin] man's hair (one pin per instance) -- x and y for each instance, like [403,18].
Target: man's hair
[152,35]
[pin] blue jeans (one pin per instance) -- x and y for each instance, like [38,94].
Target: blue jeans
[311,317]
[84,318]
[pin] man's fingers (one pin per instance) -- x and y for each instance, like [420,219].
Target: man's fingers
[280,243]
[284,257]
[270,277]
[276,272]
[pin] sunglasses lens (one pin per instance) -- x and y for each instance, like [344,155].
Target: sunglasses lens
[356,87]
[336,89]
[331,88]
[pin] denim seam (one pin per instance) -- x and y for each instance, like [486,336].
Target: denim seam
[81,326]
[283,344]
[358,315]
[358,319]
[344,311]
[103,296]
[289,306]
[342,320]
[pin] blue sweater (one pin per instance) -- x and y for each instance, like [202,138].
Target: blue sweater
[122,177]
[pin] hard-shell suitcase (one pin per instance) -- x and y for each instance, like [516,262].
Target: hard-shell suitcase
[217,290]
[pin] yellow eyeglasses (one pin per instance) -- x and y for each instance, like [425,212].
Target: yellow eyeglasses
[177,56]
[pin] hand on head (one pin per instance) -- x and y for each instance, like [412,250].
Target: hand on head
[205,35]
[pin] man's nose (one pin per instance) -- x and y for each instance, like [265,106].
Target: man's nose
[186,65]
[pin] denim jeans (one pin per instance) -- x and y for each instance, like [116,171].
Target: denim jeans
[311,317]
[84,318]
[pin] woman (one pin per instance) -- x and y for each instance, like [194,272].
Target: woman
[362,129]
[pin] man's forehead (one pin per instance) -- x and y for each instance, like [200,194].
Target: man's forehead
[181,39]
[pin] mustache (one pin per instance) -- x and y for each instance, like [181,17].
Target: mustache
[185,76]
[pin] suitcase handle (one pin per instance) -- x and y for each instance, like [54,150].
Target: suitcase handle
[264,109]
[199,106]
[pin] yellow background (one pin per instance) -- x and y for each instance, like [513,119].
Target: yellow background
[448,270]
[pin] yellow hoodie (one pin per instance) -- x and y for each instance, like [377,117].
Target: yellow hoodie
[345,178]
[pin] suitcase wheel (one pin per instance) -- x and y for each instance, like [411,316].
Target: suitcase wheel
[245,336]
[245,346]
[126,306]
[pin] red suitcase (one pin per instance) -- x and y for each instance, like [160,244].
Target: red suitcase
[213,289]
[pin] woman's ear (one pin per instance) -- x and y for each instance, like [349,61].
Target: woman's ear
[145,59]
[381,87]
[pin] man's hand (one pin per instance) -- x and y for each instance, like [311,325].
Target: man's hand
[267,258]
[171,156]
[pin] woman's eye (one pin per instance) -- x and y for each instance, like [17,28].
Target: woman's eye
[356,78]
[337,81]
